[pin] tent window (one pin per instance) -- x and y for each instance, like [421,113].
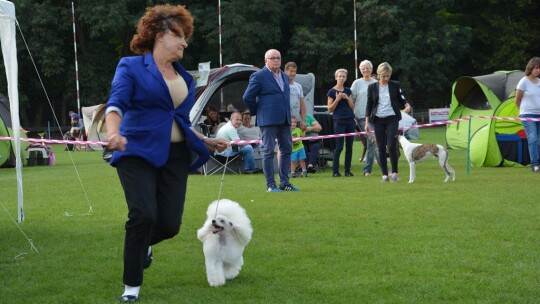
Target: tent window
[233,92]
[471,95]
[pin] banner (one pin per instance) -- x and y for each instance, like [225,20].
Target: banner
[438,114]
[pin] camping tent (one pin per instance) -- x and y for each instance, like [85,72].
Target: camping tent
[226,86]
[94,124]
[7,149]
[9,53]
[492,142]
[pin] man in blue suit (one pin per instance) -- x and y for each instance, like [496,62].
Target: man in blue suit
[268,97]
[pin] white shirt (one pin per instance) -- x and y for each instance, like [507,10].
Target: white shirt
[359,94]
[530,103]
[250,133]
[229,132]
[385,105]
[296,94]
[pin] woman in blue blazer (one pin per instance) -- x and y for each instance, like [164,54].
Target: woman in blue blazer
[384,103]
[154,144]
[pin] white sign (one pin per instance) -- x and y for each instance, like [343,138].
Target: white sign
[438,114]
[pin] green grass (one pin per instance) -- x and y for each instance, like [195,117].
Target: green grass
[338,240]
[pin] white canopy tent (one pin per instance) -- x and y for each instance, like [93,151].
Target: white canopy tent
[9,53]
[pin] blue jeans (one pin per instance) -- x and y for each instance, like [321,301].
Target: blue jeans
[247,154]
[371,152]
[284,139]
[532,129]
[312,148]
[343,126]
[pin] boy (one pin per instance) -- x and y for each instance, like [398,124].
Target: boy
[298,153]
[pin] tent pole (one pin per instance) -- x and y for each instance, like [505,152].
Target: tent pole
[9,53]
[355,43]
[469,147]
[76,60]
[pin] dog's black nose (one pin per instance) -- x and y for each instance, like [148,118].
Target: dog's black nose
[213,221]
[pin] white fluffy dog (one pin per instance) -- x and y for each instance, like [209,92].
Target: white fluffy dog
[225,233]
[416,153]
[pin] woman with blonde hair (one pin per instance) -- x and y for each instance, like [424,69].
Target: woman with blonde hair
[384,103]
[341,104]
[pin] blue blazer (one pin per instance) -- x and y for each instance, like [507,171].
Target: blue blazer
[397,99]
[264,98]
[140,92]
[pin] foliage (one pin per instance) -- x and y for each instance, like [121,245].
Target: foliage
[423,51]
[502,39]
[337,240]
[428,43]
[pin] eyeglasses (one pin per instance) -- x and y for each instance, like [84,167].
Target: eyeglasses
[274,58]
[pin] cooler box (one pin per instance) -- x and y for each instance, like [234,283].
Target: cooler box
[37,157]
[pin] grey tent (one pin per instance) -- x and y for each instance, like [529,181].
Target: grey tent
[225,88]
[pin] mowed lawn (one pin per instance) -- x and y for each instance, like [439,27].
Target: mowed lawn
[338,240]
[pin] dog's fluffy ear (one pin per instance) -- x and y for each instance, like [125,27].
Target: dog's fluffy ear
[205,231]
[242,234]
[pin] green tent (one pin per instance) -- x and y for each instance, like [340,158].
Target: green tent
[7,150]
[493,142]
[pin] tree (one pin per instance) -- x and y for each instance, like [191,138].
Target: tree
[504,33]
[422,42]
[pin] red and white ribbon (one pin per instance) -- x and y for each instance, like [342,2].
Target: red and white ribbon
[256,141]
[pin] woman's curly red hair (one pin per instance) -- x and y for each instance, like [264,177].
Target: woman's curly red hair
[160,19]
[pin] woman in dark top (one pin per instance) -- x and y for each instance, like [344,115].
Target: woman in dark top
[213,119]
[384,103]
[341,104]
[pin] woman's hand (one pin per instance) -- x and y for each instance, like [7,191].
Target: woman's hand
[407,108]
[116,142]
[216,144]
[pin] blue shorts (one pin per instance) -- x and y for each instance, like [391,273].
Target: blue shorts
[298,155]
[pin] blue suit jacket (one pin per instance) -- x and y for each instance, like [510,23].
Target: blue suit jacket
[139,91]
[264,98]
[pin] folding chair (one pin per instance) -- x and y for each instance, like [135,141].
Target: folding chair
[326,152]
[218,163]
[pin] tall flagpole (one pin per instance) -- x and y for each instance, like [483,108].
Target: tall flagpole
[220,52]
[76,61]
[355,43]
[219,24]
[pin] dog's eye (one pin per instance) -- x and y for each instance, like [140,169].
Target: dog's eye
[222,221]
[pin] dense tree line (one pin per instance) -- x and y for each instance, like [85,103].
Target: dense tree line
[428,43]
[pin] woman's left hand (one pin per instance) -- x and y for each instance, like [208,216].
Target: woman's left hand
[216,144]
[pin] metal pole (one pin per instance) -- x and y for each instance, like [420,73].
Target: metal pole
[222,105]
[355,43]
[219,24]
[469,147]
[76,61]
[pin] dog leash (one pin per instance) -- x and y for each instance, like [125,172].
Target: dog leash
[221,184]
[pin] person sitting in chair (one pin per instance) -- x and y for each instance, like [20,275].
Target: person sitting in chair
[213,120]
[230,132]
[312,146]
[247,131]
